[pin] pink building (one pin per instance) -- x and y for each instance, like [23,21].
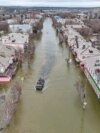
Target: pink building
[6,70]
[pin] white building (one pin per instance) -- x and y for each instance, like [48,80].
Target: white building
[31,22]
[81,16]
[25,28]
[12,21]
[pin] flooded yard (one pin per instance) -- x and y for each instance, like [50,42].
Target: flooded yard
[58,109]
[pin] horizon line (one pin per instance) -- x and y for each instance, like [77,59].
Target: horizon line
[49,6]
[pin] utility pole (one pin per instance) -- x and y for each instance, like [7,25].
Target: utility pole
[76,38]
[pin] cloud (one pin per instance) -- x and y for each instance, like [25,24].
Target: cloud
[63,3]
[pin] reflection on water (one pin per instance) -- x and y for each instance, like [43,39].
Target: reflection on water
[48,64]
[49,52]
[59,109]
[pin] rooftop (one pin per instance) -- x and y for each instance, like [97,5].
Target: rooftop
[93,63]
[5,54]
[25,28]
[15,38]
[30,21]
[87,52]
[6,51]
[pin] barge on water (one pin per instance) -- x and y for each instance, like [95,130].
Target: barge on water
[40,84]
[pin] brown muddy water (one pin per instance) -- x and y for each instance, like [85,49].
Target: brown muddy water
[58,109]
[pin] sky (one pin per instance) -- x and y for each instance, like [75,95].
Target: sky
[53,3]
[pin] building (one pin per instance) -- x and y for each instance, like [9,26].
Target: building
[25,28]
[6,54]
[16,40]
[92,72]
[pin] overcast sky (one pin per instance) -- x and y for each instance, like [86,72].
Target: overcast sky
[63,3]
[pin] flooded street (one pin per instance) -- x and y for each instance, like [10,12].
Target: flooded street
[58,109]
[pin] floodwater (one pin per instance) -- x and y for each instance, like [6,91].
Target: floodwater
[58,109]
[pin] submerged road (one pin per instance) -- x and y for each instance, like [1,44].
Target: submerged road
[58,109]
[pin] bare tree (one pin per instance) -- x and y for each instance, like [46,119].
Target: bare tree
[94,24]
[4,26]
